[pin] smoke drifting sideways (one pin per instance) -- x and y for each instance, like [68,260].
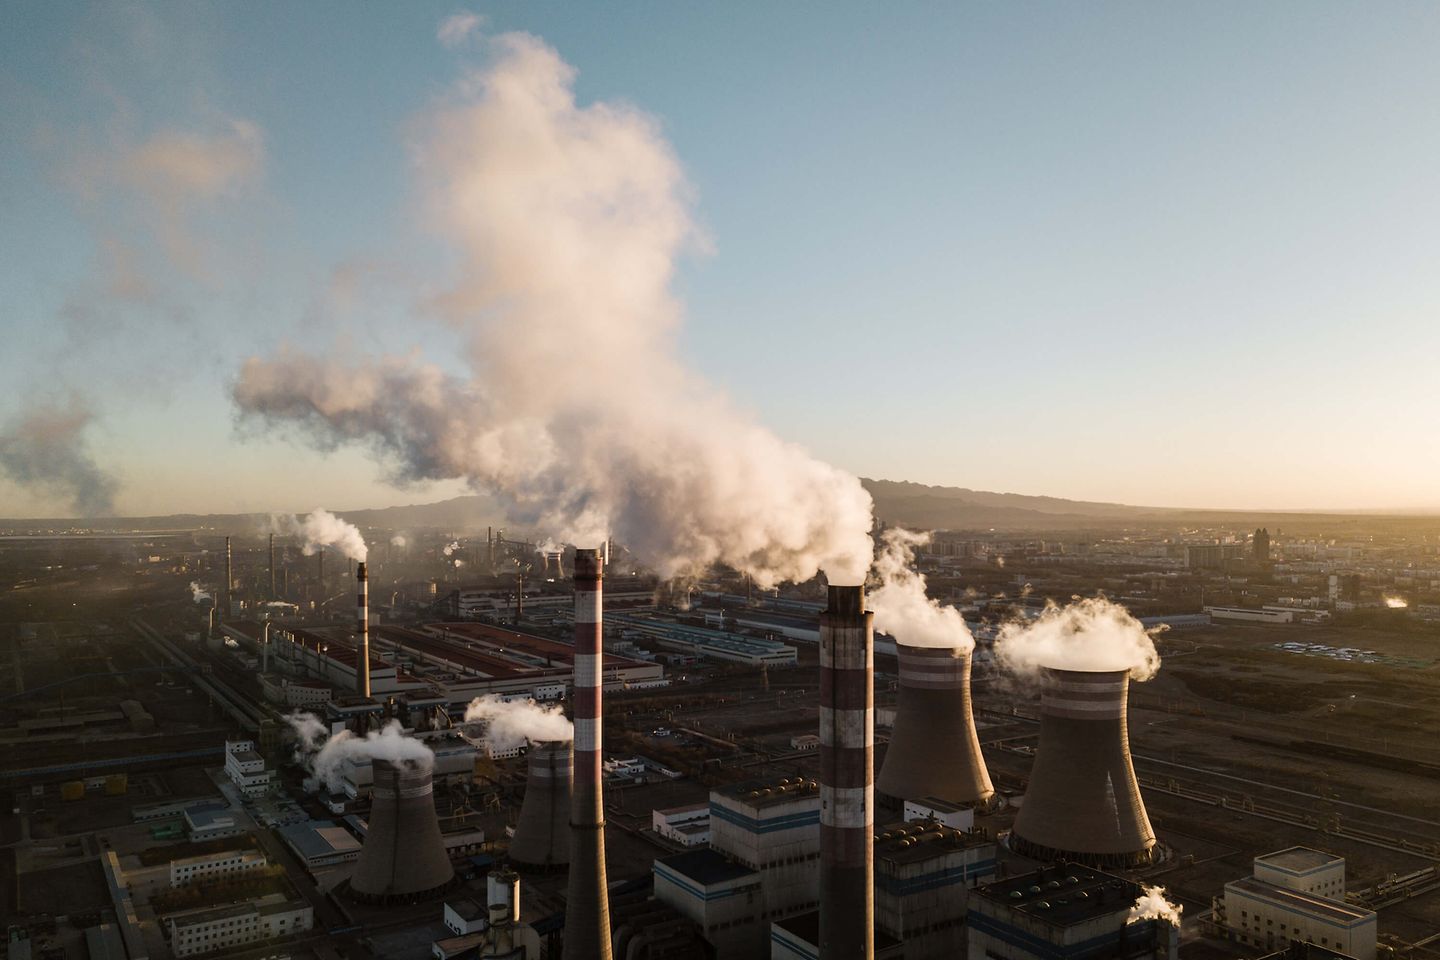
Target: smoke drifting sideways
[1093,634]
[45,450]
[902,607]
[569,221]
[325,757]
[321,528]
[197,592]
[1152,905]
[398,541]
[510,723]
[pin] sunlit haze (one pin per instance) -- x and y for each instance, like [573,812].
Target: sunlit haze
[1160,255]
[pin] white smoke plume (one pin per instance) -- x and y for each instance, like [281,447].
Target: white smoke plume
[398,541]
[549,545]
[326,759]
[1093,634]
[451,547]
[197,592]
[1152,905]
[509,723]
[568,221]
[321,528]
[902,608]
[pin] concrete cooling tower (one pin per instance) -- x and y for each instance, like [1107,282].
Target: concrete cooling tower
[934,750]
[542,836]
[1083,803]
[403,858]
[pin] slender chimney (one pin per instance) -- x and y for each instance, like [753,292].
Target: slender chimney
[587,905]
[273,594]
[229,581]
[847,814]
[320,557]
[362,628]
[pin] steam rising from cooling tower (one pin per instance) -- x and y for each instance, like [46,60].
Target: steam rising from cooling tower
[1089,634]
[902,608]
[321,528]
[568,220]
[510,723]
[325,757]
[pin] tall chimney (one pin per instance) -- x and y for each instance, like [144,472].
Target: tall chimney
[229,581]
[362,628]
[847,814]
[587,904]
[1083,803]
[273,594]
[320,563]
[934,750]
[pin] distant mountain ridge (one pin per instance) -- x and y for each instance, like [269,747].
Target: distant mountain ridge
[956,508]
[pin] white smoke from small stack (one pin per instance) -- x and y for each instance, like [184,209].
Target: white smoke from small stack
[902,608]
[451,547]
[1152,905]
[321,528]
[197,592]
[510,723]
[1092,634]
[568,222]
[326,759]
[398,541]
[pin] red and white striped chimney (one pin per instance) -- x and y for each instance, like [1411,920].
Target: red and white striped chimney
[362,628]
[847,792]
[587,906]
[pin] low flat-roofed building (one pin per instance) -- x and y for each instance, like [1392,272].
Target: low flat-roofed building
[225,865]
[320,843]
[1064,912]
[688,826]
[798,938]
[465,915]
[722,897]
[210,823]
[206,929]
[103,942]
[1264,915]
[953,815]
[1303,869]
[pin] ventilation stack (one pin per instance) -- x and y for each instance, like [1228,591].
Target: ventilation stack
[1083,803]
[229,583]
[403,859]
[587,904]
[847,807]
[362,631]
[273,594]
[542,835]
[934,750]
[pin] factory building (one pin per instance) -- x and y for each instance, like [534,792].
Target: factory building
[1064,912]
[320,843]
[923,873]
[1249,615]
[212,823]
[454,763]
[707,643]
[1297,895]
[246,769]
[763,863]
[225,865]
[689,826]
[206,929]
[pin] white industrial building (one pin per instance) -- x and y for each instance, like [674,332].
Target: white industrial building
[1297,894]
[193,932]
[246,769]
[688,826]
[1249,615]
[226,865]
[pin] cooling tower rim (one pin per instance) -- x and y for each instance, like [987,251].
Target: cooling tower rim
[930,649]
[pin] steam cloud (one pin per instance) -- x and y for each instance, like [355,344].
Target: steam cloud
[902,608]
[1152,905]
[569,220]
[197,592]
[321,528]
[1091,634]
[44,449]
[512,722]
[326,758]
[397,541]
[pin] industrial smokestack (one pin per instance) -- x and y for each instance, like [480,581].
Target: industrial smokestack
[934,750]
[587,906]
[1083,803]
[403,858]
[273,594]
[320,574]
[229,581]
[542,835]
[847,816]
[362,630]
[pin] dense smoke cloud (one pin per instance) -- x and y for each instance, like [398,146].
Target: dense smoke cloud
[576,410]
[44,449]
[321,528]
[197,592]
[510,723]
[1091,634]
[902,608]
[326,758]
[398,541]
[1152,905]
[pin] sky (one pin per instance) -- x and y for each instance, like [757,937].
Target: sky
[1178,255]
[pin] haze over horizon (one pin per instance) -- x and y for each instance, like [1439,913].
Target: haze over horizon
[1172,258]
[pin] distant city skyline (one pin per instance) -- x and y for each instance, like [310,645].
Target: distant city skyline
[1173,257]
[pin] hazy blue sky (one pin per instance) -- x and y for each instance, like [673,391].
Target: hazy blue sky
[1169,254]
